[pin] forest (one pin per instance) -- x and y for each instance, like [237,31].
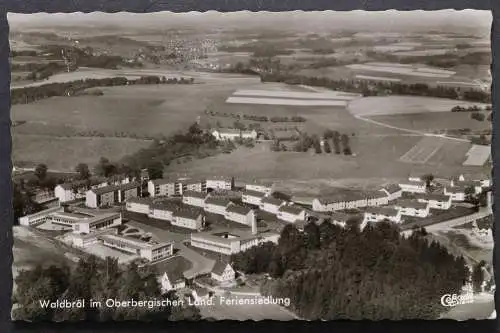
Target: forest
[95,279]
[333,273]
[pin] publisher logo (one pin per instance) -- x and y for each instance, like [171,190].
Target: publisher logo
[451,300]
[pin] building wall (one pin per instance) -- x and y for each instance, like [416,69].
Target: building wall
[212,246]
[161,214]
[194,201]
[219,184]
[437,204]
[226,276]
[84,227]
[157,253]
[39,218]
[215,209]
[410,211]
[292,218]
[238,218]
[411,188]
[459,196]
[127,194]
[63,195]
[247,244]
[258,188]
[91,199]
[270,208]
[251,200]
[161,189]
[183,222]
[138,207]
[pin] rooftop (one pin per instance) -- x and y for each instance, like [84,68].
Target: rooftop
[242,210]
[255,194]
[273,201]
[385,211]
[295,210]
[392,188]
[219,267]
[112,188]
[195,194]
[217,201]
[410,204]
[187,213]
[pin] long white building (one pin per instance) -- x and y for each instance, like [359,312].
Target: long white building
[350,200]
[240,214]
[436,201]
[162,187]
[194,198]
[412,208]
[271,205]
[40,217]
[216,205]
[139,205]
[146,250]
[253,197]
[379,214]
[188,218]
[291,214]
[220,183]
[111,195]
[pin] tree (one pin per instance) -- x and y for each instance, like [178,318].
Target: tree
[478,276]
[326,147]
[312,235]
[105,168]
[155,170]
[41,172]
[427,178]
[469,192]
[83,171]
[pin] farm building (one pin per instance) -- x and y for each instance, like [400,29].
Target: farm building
[271,205]
[379,214]
[145,250]
[413,186]
[436,201]
[233,134]
[216,205]
[220,183]
[292,214]
[188,218]
[412,208]
[223,272]
[161,187]
[139,205]
[194,198]
[110,195]
[240,214]
[172,281]
[252,197]
[392,191]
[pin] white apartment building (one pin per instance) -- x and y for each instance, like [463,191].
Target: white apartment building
[271,205]
[163,211]
[111,195]
[86,240]
[171,281]
[216,183]
[161,187]
[291,213]
[216,205]
[188,218]
[233,134]
[194,198]
[379,214]
[412,208]
[436,201]
[457,193]
[413,186]
[139,205]
[259,187]
[252,197]
[240,214]
[145,250]
[350,200]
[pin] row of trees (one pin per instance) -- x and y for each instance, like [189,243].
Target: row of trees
[331,273]
[340,143]
[275,119]
[31,94]
[94,279]
[478,116]
[459,108]
[379,88]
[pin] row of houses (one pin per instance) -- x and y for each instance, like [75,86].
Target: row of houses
[177,187]
[78,189]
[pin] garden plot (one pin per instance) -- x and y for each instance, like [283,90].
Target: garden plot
[423,151]
[477,155]
[409,71]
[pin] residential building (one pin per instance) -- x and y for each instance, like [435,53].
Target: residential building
[188,218]
[111,195]
[98,222]
[139,205]
[413,186]
[475,185]
[252,197]
[162,187]
[223,272]
[412,208]
[200,294]
[145,250]
[45,197]
[172,280]
[188,184]
[350,200]
[457,193]
[436,201]
[271,205]
[38,218]
[378,214]
[76,190]
[224,241]
[194,198]
[393,191]
[259,187]
[163,210]
[220,183]
[339,218]
[216,205]
[240,214]
[233,134]
[291,213]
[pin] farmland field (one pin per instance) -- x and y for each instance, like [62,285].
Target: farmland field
[478,155]
[422,152]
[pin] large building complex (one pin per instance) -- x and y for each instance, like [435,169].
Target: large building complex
[111,195]
[146,250]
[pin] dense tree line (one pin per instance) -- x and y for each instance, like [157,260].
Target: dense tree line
[379,88]
[477,116]
[31,94]
[39,71]
[98,280]
[332,273]
[275,119]
[459,108]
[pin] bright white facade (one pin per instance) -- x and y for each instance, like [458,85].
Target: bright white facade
[169,283]
[40,217]
[148,251]
[193,198]
[291,214]
[219,183]
[139,205]
[216,205]
[99,222]
[162,211]
[233,134]
[352,200]
[436,201]
[262,188]
[252,197]
[456,193]
[271,205]
[412,208]
[239,214]
[223,242]
[413,186]
[223,272]
[161,187]
[379,214]
[188,219]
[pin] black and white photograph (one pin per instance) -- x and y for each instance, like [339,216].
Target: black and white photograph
[252,166]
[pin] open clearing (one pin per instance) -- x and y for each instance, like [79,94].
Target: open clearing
[478,155]
[392,105]
[245,312]
[282,101]
[66,153]
[423,150]
[291,98]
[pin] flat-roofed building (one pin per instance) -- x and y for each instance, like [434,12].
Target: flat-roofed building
[86,240]
[98,222]
[252,197]
[68,219]
[145,250]
[39,217]
[224,241]
[412,208]
[194,198]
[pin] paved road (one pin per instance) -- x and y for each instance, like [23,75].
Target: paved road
[201,264]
